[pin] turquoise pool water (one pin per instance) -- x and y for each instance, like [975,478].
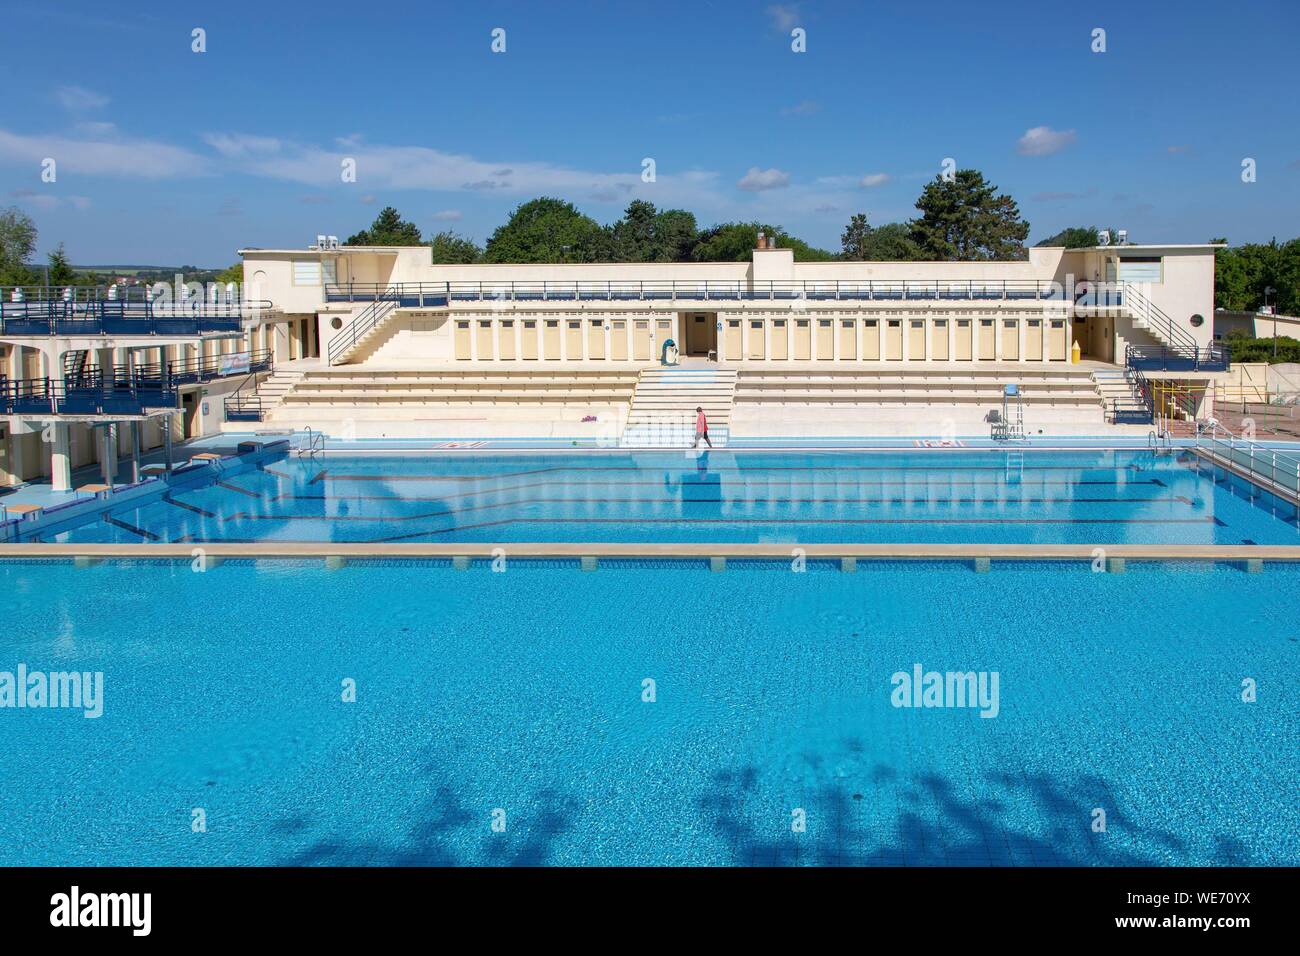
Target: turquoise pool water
[522,691]
[1082,497]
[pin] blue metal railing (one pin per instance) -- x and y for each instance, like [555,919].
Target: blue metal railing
[190,371]
[88,393]
[89,311]
[1167,358]
[425,294]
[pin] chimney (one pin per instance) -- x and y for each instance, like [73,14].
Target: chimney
[771,242]
[762,240]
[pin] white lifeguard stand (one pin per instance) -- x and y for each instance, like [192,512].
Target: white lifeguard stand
[1010,426]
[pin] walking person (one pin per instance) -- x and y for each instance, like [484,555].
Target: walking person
[701,428]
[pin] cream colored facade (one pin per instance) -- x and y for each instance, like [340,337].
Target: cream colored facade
[768,311]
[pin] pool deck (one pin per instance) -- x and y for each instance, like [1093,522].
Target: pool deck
[683,551]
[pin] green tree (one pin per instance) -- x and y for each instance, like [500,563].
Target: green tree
[388,229]
[17,243]
[647,235]
[1075,237]
[447,248]
[547,230]
[234,273]
[60,272]
[968,220]
[1243,273]
[891,242]
[735,242]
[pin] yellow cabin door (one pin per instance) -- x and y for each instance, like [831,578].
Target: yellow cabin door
[757,339]
[1056,340]
[618,340]
[987,352]
[871,340]
[939,340]
[802,340]
[573,339]
[964,344]
[641,340]
[595,338]
[780,343]
[848,340]
[506,349]
[916,340]
[485,349]
[733,344]
[462,339]
[893,340]
[528,340]
[825,339]
[551,339]
[1010,340]
[1034,340]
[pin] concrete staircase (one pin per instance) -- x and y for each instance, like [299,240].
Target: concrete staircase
[273,389]
[363,331]
[662,414]
[1121,400]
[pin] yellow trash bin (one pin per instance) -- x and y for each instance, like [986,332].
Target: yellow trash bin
[1076,353]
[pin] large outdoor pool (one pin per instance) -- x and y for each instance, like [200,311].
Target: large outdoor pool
[520,698]
[1013,497]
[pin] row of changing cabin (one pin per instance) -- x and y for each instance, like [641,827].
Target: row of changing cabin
[810,338]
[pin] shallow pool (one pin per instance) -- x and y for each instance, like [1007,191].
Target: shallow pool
[1012,497]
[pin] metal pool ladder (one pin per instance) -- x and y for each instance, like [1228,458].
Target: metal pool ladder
[313,443]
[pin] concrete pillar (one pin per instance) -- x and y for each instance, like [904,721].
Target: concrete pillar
[135,452]
[108,453]
[60,459]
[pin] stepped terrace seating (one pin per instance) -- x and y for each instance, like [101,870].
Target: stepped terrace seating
[911,386]
[387,388]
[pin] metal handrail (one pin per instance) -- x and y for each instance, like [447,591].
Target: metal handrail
[200,369]
[119,317]
[704,289]
[342,343]
[1278,468]
[1169,358]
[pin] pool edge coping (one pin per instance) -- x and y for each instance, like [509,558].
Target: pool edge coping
[287,550]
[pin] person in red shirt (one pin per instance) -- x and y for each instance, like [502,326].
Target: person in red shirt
[701,428]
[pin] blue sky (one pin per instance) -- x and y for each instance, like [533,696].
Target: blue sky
[167,156]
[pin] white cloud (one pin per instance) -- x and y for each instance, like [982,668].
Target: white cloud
[874,179]
[759,180]
[784,16]
[48,200]
[78,99]
[447,215]
[803,108]
[1044,141]
[101,156]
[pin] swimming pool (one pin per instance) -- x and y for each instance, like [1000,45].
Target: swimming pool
[979,497]
[523,692]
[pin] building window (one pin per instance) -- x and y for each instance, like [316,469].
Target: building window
[1197,321]
[306,273]
[1140,269]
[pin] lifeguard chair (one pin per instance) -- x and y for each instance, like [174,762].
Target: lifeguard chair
[1010,424]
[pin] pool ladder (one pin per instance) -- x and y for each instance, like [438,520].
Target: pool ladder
[313,443]
[1015,467]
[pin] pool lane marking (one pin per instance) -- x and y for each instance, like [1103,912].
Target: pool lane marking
[187,506]
[715,469]
[805,521]
[658,483]
[524,502]
[243,491]
[140,532]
